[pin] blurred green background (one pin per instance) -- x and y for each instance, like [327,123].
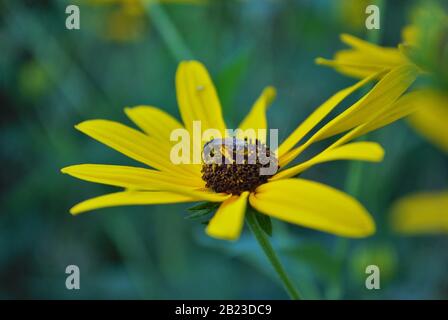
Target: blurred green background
[52,78]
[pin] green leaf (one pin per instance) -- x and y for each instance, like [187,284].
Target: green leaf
[197,215]
[204,206]
[201,210]
[265,223]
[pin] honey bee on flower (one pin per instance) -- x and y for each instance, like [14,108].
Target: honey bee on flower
[237,186]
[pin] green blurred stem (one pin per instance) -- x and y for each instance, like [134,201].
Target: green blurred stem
[168,31]
[270,253]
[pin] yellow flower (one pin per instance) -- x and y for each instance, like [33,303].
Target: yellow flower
[364,59]
[432,117]
[421,213]
[424,44]
[299,201]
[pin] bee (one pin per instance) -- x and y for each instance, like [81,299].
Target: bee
[228,150]
[234,165]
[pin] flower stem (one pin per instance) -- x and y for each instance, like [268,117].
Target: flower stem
[168,32]
[270,253]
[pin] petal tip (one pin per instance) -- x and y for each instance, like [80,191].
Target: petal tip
[383,154]
[269,94]
[345,37]
[70,169]
[83,125]
[369,227]
[74,211]
[379,152]
[319,60]
[219,235]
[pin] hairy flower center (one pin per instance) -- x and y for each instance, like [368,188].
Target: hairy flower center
[233,165]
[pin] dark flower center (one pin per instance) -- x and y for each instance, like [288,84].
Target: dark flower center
[233,165]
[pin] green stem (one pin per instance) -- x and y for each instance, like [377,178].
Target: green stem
[270,253]
[168,31]
[353,180]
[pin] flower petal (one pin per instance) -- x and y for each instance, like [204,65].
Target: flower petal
[382,95]
[153,121]
[376,104]
[160,125]
[432,117]
[127,198]
[421,213]
[135,145]
[313,205]
[256,118]
[364,58]
[197,97]
[363,151]
[372,53]
[318,115]
[228,221]
[130,177]
[404,106]
[357,69]
[142,179]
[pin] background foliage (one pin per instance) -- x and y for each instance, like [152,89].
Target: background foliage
[52,78]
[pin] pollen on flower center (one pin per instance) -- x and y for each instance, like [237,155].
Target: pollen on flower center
[234,165]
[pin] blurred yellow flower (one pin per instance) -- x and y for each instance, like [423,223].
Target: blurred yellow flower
[421,213]
[299,201]
[424,44]
[128,20]
[431,119]
[352,13]
[364,58]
